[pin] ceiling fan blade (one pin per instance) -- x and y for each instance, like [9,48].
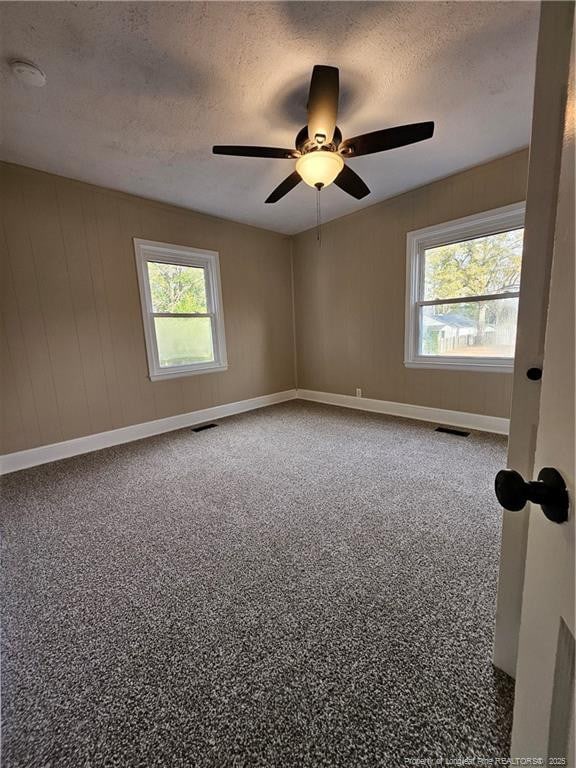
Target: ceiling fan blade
[282,189]
[323,103]
[350,182]
[388,138]
[238,151]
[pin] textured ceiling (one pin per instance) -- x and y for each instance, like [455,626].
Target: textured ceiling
[137,94]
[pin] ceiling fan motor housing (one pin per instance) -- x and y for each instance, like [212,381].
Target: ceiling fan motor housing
[305,144]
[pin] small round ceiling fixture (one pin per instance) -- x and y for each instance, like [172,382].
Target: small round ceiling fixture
[28,73]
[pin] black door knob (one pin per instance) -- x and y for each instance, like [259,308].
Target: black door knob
[549,491]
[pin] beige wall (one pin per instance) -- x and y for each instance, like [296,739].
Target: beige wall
[72,341]
[73,355]
[350,295]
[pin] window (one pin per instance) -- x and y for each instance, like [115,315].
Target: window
[182,309]
[463,282]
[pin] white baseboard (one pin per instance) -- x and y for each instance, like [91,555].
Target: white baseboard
[420,412]
[11,462]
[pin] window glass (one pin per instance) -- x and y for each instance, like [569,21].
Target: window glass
[469,329]
[482,265]
[183,340]
[177,288]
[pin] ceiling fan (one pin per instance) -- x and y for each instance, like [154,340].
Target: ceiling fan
[320,152]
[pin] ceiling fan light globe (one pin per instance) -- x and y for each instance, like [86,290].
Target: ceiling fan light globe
[319,168]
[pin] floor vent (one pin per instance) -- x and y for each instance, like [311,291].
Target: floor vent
[202,427]
[451,431]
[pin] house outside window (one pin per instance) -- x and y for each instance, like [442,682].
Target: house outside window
[463,284]
[182,312]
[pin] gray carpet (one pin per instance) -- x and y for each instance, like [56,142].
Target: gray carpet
[301,586]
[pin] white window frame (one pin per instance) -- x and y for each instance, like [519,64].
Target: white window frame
[148,250]
[487,223]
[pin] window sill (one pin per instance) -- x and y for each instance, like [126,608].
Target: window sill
[493,365]
[176,374]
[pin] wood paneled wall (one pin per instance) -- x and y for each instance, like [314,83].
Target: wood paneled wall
[350,295]
[72,341]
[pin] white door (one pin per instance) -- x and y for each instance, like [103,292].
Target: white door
[551,81]
[543,712]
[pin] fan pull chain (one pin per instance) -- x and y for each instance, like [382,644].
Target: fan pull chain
[318,215]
